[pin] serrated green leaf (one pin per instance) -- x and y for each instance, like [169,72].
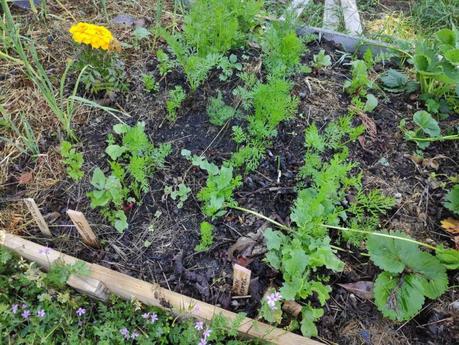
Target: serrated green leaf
[448,257]
[427,123]
[446,36]
[296,264]
[452,56]
[398,298]
[273,259]
[421,62]
[394,79]
[290,289]
[120,223]
[115,151]
[273,239]
[120,128]
[388,253]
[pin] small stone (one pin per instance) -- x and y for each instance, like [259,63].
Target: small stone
[398,195]
[454,307]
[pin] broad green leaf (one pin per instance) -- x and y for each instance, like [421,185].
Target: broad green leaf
[273,239]
[290,289]
[98,178]
[113,185]
[452,199]
[421,62]
[273,259]
[296,264]
[99,198]
[115,151]
[452,56]
[394,79]
[309,316]
[388,253]
[447,36]
[322,291]
[371,103]
[120,223]
[427,123]
[398,297]
[448,257]
[120,128]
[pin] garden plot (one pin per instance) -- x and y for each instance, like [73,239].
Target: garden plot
[250,145]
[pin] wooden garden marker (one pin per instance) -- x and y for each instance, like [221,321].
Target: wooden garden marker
[88,236]
[241,280]
[89,286]
[37,216]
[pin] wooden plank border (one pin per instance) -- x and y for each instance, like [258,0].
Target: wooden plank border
[128,287]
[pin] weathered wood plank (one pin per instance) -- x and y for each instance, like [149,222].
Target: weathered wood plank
[351,17]
[37,216]
[152,294]
[331,14]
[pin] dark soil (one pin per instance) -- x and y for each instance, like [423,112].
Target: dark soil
[385,159]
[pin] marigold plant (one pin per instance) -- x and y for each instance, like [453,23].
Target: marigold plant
[95,36]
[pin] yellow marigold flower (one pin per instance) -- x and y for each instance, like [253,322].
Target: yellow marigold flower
[95,36]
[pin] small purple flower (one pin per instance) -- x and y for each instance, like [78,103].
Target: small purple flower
[124,332]
[26,314]
[153,317]
[44,251]
[146,315]
[272,299]
[199,325]
[81,311]
[14,308]
[202,341]
[135,335]
[206,333]
[41,313]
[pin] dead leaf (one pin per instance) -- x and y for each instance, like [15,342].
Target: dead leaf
[363,289]
[123,19]
[25,178]
[450,225]
[369,125]
[432,162]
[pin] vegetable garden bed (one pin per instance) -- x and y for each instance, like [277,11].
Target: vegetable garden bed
[265,158]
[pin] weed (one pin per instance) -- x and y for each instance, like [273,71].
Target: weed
[165,64]
[73,160]
[149,83]
[181,193]
[175,99]
[432,15]
[23,131]
[132,163]
[219,112]
[359,84]
[321,60]
[227,65]
[207,238]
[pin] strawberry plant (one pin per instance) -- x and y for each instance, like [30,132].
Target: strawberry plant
[452,199]
[409,276]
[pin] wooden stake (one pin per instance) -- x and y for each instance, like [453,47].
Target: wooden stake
[88,236]
[351,17]
[152,294]
[241,280]
[37,216]
[89,286]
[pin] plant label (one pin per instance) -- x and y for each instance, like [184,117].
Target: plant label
[37,216]
[88,236]
[241,280]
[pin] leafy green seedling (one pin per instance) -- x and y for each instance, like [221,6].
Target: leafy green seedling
[207,238]
[227,65]
[218,111]
[359,84]
[427,128]
[150,84]
[181,193]
[409,276]
[165,64]
[73,161]
[176,97]
[395,81]
[321,60]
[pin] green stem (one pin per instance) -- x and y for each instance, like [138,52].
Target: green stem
[284,227]
[442,138]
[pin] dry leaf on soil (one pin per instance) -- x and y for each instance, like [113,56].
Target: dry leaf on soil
[25,178]
[450,225]
[363,289]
